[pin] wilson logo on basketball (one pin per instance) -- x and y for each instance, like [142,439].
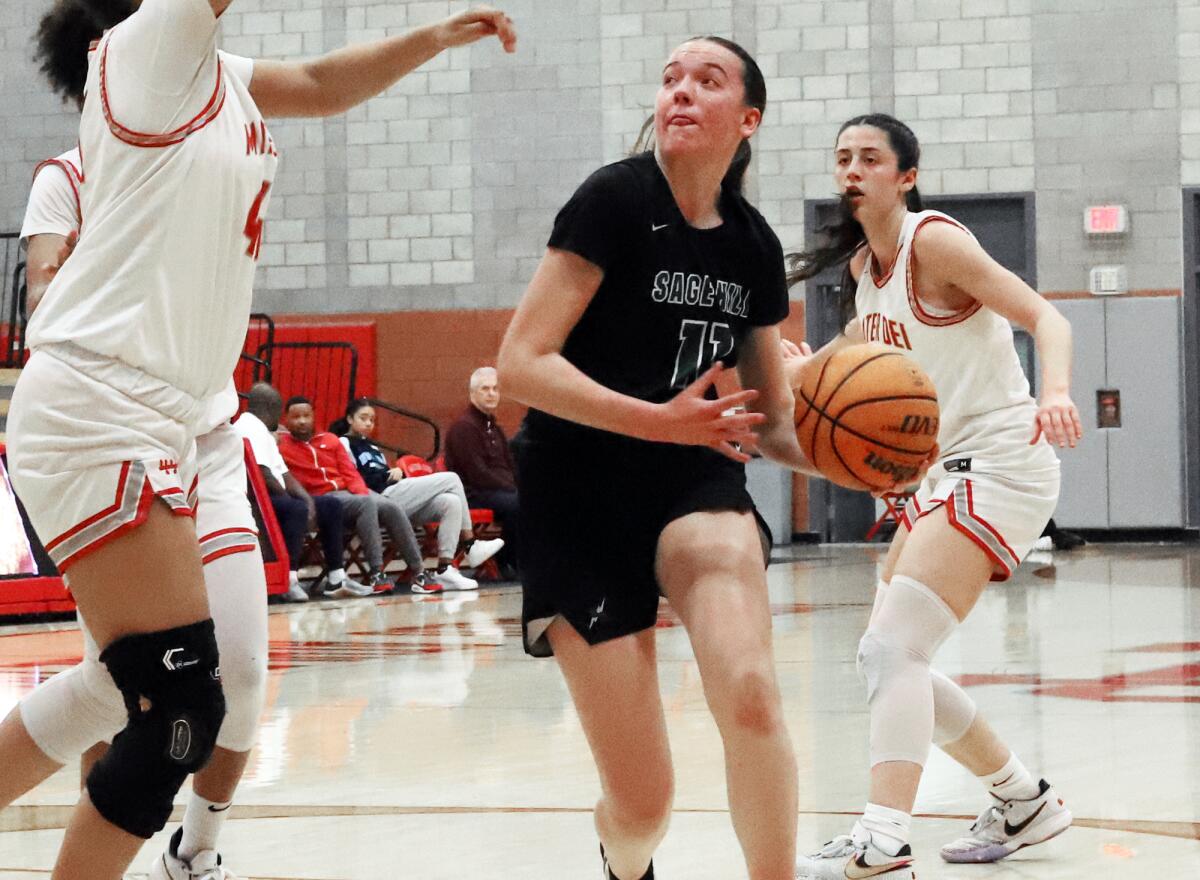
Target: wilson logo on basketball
[925,426]
[899,472]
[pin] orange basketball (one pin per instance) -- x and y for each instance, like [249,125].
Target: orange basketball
[866,416]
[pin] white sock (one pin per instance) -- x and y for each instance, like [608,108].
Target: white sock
[336,576]
[889,828]
[1012,781]
[202,821]
[294,578]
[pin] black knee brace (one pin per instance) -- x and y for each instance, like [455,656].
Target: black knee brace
[171,682]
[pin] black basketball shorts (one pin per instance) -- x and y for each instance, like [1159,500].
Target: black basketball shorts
[591,516]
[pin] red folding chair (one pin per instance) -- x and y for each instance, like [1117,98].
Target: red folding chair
[893,511]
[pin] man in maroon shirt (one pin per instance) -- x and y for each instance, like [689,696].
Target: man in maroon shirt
[322,466]
[477,450]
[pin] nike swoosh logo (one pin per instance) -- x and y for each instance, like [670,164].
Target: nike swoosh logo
[1014,830]
[213,809]
[857,869]
[655,228]
[1004,780]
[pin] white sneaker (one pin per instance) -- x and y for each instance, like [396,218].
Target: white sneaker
[1044,543]
[481,552]
[346,588]
[453,579]
[296,593]
[205,865]
[1007,826]
[846,858]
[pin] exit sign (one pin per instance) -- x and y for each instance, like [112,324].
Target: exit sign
[1105,220]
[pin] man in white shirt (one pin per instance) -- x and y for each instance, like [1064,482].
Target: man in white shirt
[297,512]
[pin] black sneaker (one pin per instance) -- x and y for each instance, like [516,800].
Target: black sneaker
[609,875]
[1064,540]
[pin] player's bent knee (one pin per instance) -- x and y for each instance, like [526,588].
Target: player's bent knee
[171,684]
[244,682]
[749,701]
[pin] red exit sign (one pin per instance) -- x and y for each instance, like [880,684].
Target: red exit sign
[1105,220]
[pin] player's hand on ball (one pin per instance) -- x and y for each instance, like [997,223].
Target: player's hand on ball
[794,358]
[1058,420]
[690,419]
[475,24]
[922,469]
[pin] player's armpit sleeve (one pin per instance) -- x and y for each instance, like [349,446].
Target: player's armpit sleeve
[156,59]
[53,207]
[596,222]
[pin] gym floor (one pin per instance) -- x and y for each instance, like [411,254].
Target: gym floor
[410,736]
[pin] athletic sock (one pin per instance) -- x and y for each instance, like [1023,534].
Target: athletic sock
[202,821]
[294,578]
[889,828]
[1012,781]
[336,576]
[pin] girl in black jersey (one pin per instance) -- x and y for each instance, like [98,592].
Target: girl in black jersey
[658,276]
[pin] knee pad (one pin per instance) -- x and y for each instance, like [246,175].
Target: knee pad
[237,598]
[71,712]
[893,658]
[171,685]
[953,710]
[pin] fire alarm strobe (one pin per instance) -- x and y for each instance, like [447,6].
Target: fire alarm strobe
[1108,281]
[1105,220]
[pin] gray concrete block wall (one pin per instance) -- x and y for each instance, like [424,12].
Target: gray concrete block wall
[440,193]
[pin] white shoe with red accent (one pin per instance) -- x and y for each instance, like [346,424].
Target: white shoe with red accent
[1008,826]
[851,858]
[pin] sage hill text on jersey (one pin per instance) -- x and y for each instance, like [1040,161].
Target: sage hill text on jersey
[700,290]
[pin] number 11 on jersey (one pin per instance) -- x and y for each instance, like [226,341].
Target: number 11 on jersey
[701,344]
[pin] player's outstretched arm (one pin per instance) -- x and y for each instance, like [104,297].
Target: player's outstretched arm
[345,78]
[955,258]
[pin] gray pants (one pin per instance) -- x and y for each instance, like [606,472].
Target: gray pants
[370,512]
[434,498]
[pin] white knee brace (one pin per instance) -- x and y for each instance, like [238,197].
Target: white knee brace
[908,627]
[237,598]
[953,710]
[71,712]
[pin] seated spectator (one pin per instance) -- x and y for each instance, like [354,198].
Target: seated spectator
[432,498]
[297,512]
[323,467]
[477,450]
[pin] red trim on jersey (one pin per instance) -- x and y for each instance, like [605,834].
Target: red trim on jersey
[914,301]
[228,551]
[143,511]
[872,263]
[74,179]
[207,114]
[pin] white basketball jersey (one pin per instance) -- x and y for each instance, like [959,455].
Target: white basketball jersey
[987,412]
[162,276]
[54,203]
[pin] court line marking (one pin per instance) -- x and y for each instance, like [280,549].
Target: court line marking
[54,817]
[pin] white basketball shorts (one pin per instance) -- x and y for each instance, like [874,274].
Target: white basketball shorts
[1003,512]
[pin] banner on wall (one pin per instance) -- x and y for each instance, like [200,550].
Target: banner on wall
[16,554]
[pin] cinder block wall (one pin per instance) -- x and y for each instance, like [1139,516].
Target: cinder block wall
[439,194]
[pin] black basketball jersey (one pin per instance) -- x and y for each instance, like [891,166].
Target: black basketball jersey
[674,299]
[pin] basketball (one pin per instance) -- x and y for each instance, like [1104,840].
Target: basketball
[866,416]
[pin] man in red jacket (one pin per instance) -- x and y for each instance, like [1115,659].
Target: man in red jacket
[320,464]
[477,450]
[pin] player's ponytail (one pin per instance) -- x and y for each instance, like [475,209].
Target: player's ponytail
[841,238]
[64,35]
